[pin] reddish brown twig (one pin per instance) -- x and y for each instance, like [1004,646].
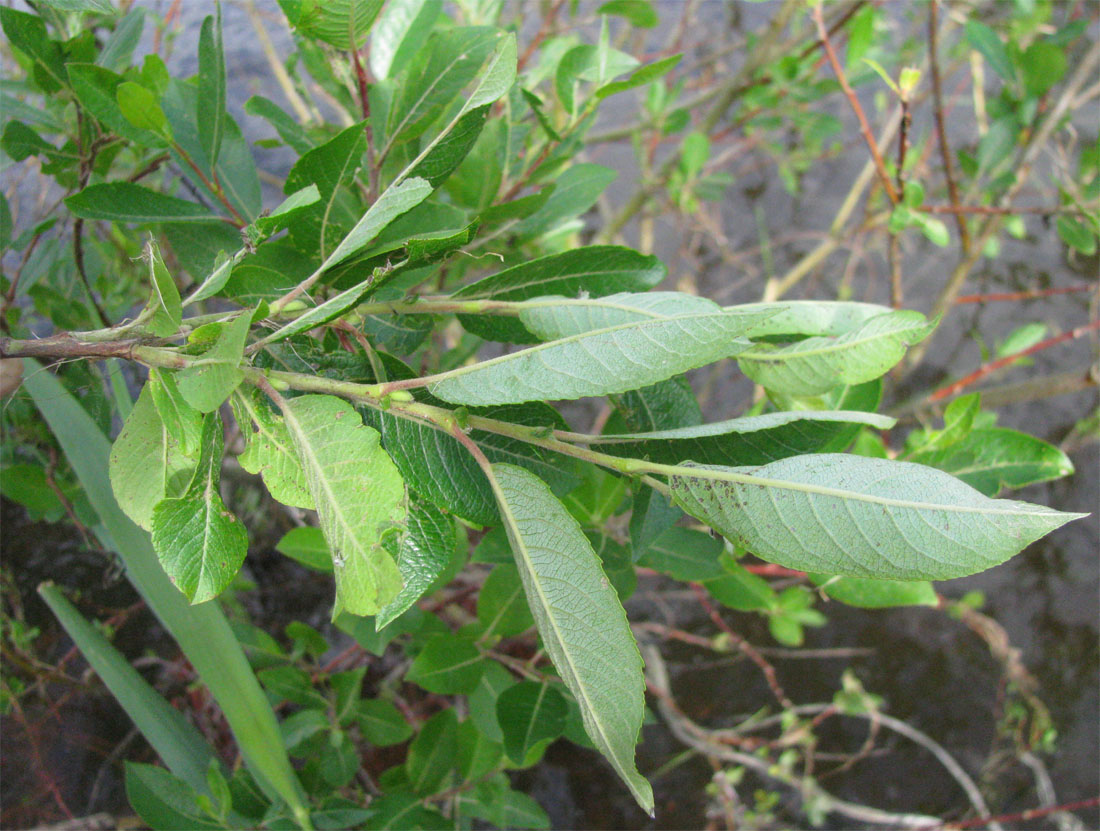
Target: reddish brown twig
[1023,816]
[540,36]
[941,130]
[1023,295]
[745,647]
[364,104]
[864,127]
[991,210]
[772,570]
[1000,363]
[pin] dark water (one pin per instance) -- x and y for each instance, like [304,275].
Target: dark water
[930,669]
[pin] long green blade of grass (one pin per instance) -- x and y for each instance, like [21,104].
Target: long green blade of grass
[176,741]
[201,631]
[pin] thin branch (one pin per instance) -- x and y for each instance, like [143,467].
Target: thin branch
[941,130]
[984,370]
[1022,295]
[864,127]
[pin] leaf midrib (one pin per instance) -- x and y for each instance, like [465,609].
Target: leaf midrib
[836,343]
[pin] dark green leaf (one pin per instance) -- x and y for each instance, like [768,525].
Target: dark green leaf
[446,665]
[989,43]
[140,107]
[199,542]
[530,713]
[433,753]
[424,552]
[163,801]
[691,556]
[576,190]
[501,604]
[210,113]
[306,545]
[126,202]
[382,723]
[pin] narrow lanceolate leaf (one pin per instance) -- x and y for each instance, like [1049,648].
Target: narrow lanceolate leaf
[393,202]
[579,617]
[813,317]
[200,544]
[211,112]
[216,373]
[600,362]
[147,463]
[496,78]
[817,364]
[754,440]
[270,451]
[876,594]
[127,202]
[358,493]
[164,298]
[597,270]
[559,317]
[861,517]
[399,32]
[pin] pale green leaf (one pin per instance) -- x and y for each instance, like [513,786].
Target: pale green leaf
[394,201]
[140,107]
[164,299]
[876,594]
[358,493]
[813,317]
[600,362]
[181,421]
[817,364]
[497,77]
[559,317]
[209,380]
[270,451]
[579,618]
[200,544]
[399,32]
[147,463]
[861,517]
[306,545]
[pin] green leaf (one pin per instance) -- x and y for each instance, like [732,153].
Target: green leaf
[813,317]
[687,555]
[598,270]
[147,463]
[1043,65]
[498,76]
[433,753]
[306,545]
[530,713]
[210,114]
[441,69]
[344,24]
[876,594]
[1076,234]
[27,33]
[98,6]
[199,542]
[425,551]
[600,362]
[140,107]
[216,373]
[164,298]
[181,421]
[501,605]
[382,723]
[447,154]
[172,736]
[478,755]
[288,210]
[163,801]
[576,190]
[639,77]
[358,493]
[992,459]
[447,665]
[270,451]
[331,308]
[639,12]
[127,202]
[399,33]
[579,618]
[394,201]
[817,364]
[403,812]
[289,130]
[753,440]
[559,317]
[989,43]
[738,588]
[861,517]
